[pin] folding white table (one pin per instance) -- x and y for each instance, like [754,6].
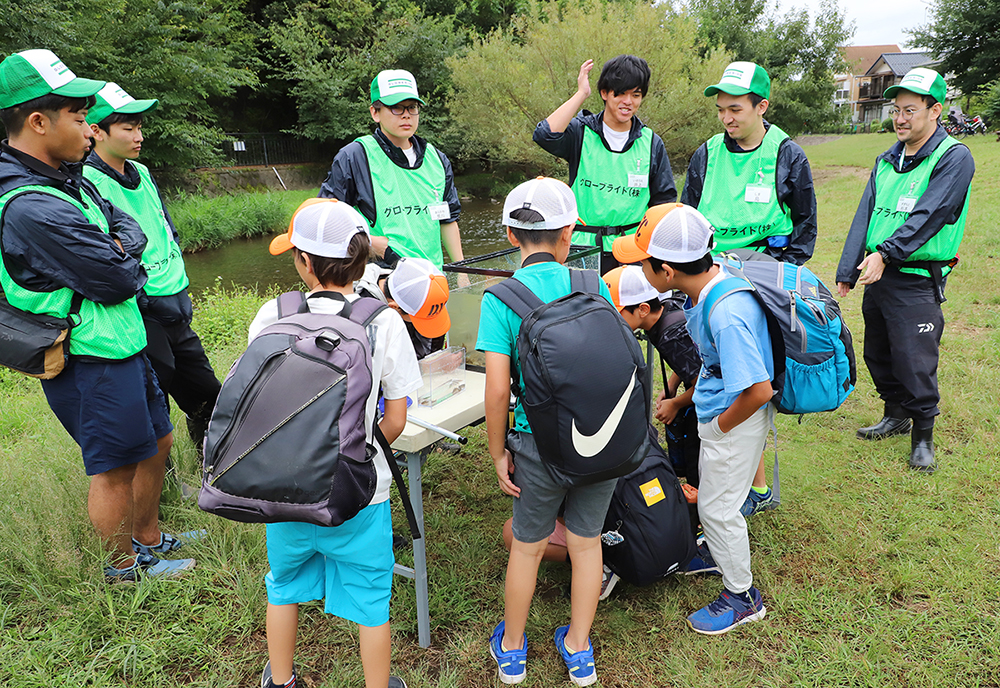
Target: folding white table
[464,409]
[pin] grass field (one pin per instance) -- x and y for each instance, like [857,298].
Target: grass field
[873,575]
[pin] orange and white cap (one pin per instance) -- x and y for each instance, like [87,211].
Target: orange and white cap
[321,227]
[670,232]
[421,290]
[628,286]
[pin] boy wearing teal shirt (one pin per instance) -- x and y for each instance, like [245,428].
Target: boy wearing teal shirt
[174,350]
[539,216]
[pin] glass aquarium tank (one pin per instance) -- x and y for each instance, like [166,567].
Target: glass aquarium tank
[469,278]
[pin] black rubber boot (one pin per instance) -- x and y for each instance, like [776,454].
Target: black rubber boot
[922,446]
[894,422]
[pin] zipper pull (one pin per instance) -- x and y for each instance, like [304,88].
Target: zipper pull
[792,295]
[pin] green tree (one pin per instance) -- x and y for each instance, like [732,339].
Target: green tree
[330,50]
[965,37]
[190,54]
[512,79]
[800,58]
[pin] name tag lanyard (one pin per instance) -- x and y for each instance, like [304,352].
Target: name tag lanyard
[908,201]
[758,192]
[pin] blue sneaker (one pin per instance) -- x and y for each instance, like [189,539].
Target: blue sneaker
[727,612]
[756,502]
[148,566]
[580,664]
[702,563]
[510,663]
[168,543]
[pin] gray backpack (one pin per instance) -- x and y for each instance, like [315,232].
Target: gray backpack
[286,441]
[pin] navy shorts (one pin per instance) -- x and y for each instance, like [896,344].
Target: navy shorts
[113,409]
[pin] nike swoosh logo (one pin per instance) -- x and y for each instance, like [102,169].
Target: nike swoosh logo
[591,445]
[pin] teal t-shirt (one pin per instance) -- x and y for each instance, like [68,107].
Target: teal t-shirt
[498,324]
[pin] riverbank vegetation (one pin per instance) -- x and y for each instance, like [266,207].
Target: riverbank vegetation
[210,221]
[873,575]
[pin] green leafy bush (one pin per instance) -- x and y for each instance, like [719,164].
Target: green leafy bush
[204,222]
[887,125]
[508,82]
[222,315]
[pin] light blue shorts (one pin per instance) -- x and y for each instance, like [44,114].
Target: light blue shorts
[349,566]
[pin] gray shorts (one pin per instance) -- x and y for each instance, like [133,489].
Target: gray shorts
[536,509]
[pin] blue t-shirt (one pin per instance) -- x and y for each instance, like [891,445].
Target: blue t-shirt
[499,325]
[742,351]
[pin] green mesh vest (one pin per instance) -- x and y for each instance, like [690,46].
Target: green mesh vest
[112,332]
[162,257]
[403,200]
[894,192]
[611,188]
[739,223]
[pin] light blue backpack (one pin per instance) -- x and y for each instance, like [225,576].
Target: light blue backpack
[814,364]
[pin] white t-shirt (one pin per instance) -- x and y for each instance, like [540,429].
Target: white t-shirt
[411,154]
[393,364]
[616,139]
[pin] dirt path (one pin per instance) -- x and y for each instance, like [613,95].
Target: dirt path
[815,139]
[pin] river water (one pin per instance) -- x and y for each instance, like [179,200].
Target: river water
[247,263]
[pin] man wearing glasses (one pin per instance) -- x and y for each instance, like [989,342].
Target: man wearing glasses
[402,184]
[902,244]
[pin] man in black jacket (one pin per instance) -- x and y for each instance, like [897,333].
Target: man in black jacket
[618,167]
[901,247]
[403,185]
[65,249]
[173,348]
[752,181]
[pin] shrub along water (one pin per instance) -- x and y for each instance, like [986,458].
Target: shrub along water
[208,222]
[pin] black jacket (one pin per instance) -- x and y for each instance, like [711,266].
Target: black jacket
[673,341]
[794,191]
[48,244]
[173,309]
[350,178]
[940,204]
[568,145]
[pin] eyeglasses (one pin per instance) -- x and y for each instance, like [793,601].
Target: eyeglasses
[908,113]
[399,109]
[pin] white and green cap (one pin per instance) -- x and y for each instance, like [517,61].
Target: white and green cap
[741,78]
[112,99]
[392,86]
[920,80]
[32,74]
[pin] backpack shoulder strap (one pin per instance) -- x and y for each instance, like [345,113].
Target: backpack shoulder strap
[720,291]
[290,303]
[584,281]
[365,309]
[516,296]
[404,495]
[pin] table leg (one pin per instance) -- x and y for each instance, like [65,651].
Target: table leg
[413,470]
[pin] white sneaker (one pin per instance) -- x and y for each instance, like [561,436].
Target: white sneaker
[608,584]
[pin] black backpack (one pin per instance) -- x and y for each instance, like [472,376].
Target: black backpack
[584,381]
[647,532]
[287,439]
